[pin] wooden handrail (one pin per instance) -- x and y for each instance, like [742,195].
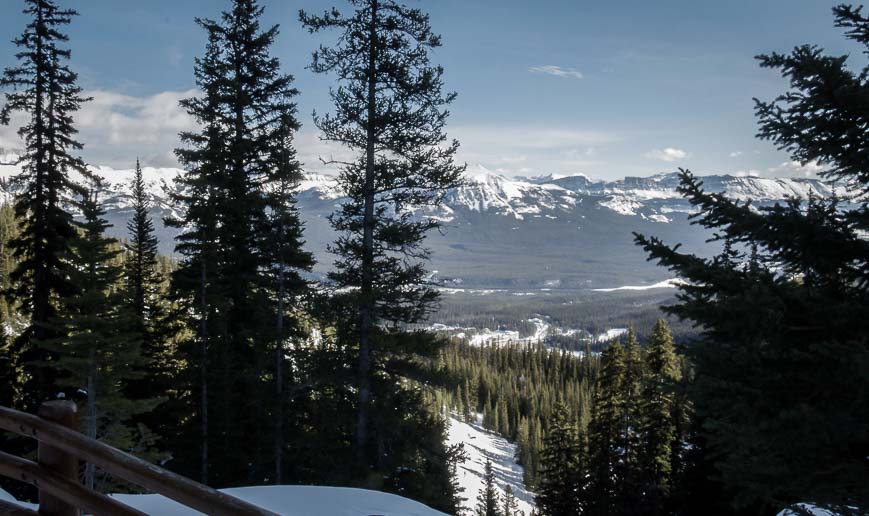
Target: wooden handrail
[72,492]
[123,465]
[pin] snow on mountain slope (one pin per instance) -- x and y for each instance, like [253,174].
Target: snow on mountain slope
[499,230]
[480,445]
[288,501]
[485,191]
[158,182]
[321,185]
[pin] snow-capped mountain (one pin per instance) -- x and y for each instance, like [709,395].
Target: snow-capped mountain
[501,232]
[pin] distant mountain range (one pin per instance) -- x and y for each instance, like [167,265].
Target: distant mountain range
[550,232]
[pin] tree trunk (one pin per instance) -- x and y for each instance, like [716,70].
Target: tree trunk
[40,298]
[203,372]
[366,314]
[279,362]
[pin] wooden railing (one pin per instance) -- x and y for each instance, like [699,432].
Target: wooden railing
[55,474]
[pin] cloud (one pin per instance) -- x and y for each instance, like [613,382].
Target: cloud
[124,119]
[9,139]
[313,151]
[735,154]
[557,71]
[669,154]
[116,128]
[791,168]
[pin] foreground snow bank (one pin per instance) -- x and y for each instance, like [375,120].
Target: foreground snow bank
[290,501]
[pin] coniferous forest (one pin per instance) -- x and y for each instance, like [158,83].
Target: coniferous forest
[230,362]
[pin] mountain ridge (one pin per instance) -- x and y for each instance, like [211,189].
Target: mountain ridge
[500,232]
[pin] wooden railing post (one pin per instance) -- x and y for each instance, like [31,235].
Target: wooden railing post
[57,461]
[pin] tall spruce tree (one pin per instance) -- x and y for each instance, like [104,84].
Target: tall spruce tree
[94,349]
[194,289]
[151,323]
[605,451]
[142,273]
[390,109]
[563,469]
[43,87]
[659,423]
[488,501]
[628,468]
[245,115]
[283,247]
[781,384]
[510,505]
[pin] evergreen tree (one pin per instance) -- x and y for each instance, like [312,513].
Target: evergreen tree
[604,446]
[43,87]
[562,467]
[659,422]
[391,111]
[196,294]
[142,274]
[283,248]
[225,279]
[780,388]
[511,505]
[488,500]
[96,353]
[628,464]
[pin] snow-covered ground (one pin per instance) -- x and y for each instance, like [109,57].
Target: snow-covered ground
[289,501]
[480,445]
[610,335]
[542,329]
[487,336]
[670,283]
[336,501]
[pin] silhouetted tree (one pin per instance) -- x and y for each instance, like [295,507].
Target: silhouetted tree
[44,88]
[142,273]
[236,193]
[781,384]
[390,109]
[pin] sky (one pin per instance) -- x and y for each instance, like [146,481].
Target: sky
[607,89]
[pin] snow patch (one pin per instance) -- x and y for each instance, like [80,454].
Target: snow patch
[480,445]
[670,283]
[609,335]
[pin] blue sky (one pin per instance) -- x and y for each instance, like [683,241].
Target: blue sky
[604,88]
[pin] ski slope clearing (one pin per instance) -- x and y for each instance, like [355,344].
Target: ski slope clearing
[289,501]
[480,445]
